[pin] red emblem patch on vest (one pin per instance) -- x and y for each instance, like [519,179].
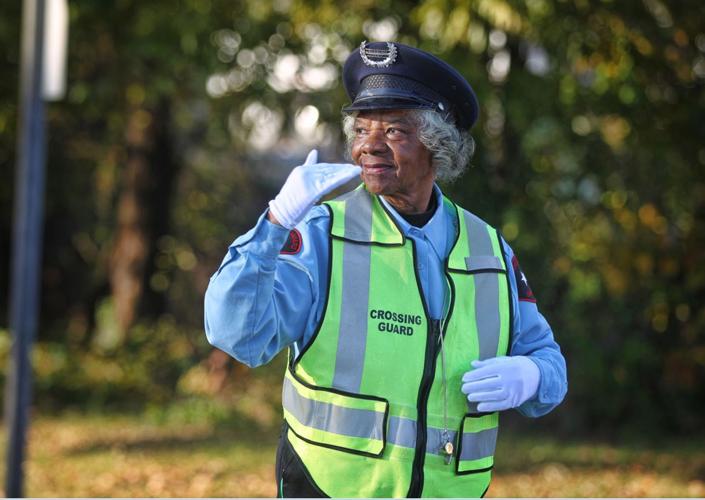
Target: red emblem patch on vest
[523,287]
[293,243]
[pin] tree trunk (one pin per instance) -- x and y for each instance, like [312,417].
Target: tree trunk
[142,213]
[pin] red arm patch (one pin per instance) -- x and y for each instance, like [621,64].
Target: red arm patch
[293,243]
[523,287]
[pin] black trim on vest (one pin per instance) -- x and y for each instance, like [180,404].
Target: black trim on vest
[460,448]
[479,414]
[401,233]
[446,265]
[417,475]
[377,243]
[478,271]
[451,306]
[477,471]
[366,243]
[292,361]
[290,356]
[457,228]
[509,296]
[340,448]
[337,391]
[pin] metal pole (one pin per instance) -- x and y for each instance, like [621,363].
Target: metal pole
[27,241]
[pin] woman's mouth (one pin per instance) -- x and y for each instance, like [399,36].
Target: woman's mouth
[376,168]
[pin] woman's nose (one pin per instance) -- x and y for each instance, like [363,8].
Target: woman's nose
[374,143]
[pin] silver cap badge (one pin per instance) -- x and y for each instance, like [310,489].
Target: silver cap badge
[383,58]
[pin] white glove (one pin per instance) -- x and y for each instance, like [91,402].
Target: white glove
[306,185]
[501,383]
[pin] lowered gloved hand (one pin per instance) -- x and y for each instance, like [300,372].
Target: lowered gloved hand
[306,185]
[501,383]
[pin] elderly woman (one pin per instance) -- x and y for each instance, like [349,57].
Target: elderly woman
[409,323]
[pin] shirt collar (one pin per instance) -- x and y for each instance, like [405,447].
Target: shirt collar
[435,230]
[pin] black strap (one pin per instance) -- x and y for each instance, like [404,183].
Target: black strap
[293,480]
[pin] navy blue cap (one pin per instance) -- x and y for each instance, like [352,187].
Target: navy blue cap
[390,75]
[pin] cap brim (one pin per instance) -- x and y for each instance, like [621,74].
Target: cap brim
[385,103]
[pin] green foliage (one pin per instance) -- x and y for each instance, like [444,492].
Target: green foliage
[145,369]
[590,160]
[595,170]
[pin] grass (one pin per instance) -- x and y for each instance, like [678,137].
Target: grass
[78,455]
[101,456]
[533,467]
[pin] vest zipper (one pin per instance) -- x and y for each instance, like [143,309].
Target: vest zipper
[429,373]
[448,447]
[433,341]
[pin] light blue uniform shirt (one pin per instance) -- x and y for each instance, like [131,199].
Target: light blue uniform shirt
[260,301]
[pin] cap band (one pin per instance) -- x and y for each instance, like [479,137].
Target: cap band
[385,91]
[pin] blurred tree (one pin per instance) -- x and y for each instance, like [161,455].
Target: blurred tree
[592,148]
[9,54]
[183,118]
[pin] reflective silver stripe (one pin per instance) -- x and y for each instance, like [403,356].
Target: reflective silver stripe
[478,445]
[481,262]
[487,302]
[358,216]
[435,441]
[352,338]
[402,432]
[332,418]
[487,313]
[478,238]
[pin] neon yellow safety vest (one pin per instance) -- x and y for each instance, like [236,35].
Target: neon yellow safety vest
[374,397]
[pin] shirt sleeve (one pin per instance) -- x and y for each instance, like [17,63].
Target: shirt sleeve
[262,297]
[533,337]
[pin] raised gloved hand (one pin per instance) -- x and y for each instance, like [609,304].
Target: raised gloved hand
[501,383]
[306,185]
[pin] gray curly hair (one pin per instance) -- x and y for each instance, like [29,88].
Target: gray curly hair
[451,148]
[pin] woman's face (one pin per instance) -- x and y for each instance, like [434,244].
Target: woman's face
[394,162]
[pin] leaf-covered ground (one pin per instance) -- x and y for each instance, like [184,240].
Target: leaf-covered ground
[79,456]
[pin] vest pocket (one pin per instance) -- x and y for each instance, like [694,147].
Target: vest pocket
[348,422]
[477,440]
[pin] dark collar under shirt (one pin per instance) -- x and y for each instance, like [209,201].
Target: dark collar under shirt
[420,220]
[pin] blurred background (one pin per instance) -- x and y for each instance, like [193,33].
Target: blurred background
[182,119]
